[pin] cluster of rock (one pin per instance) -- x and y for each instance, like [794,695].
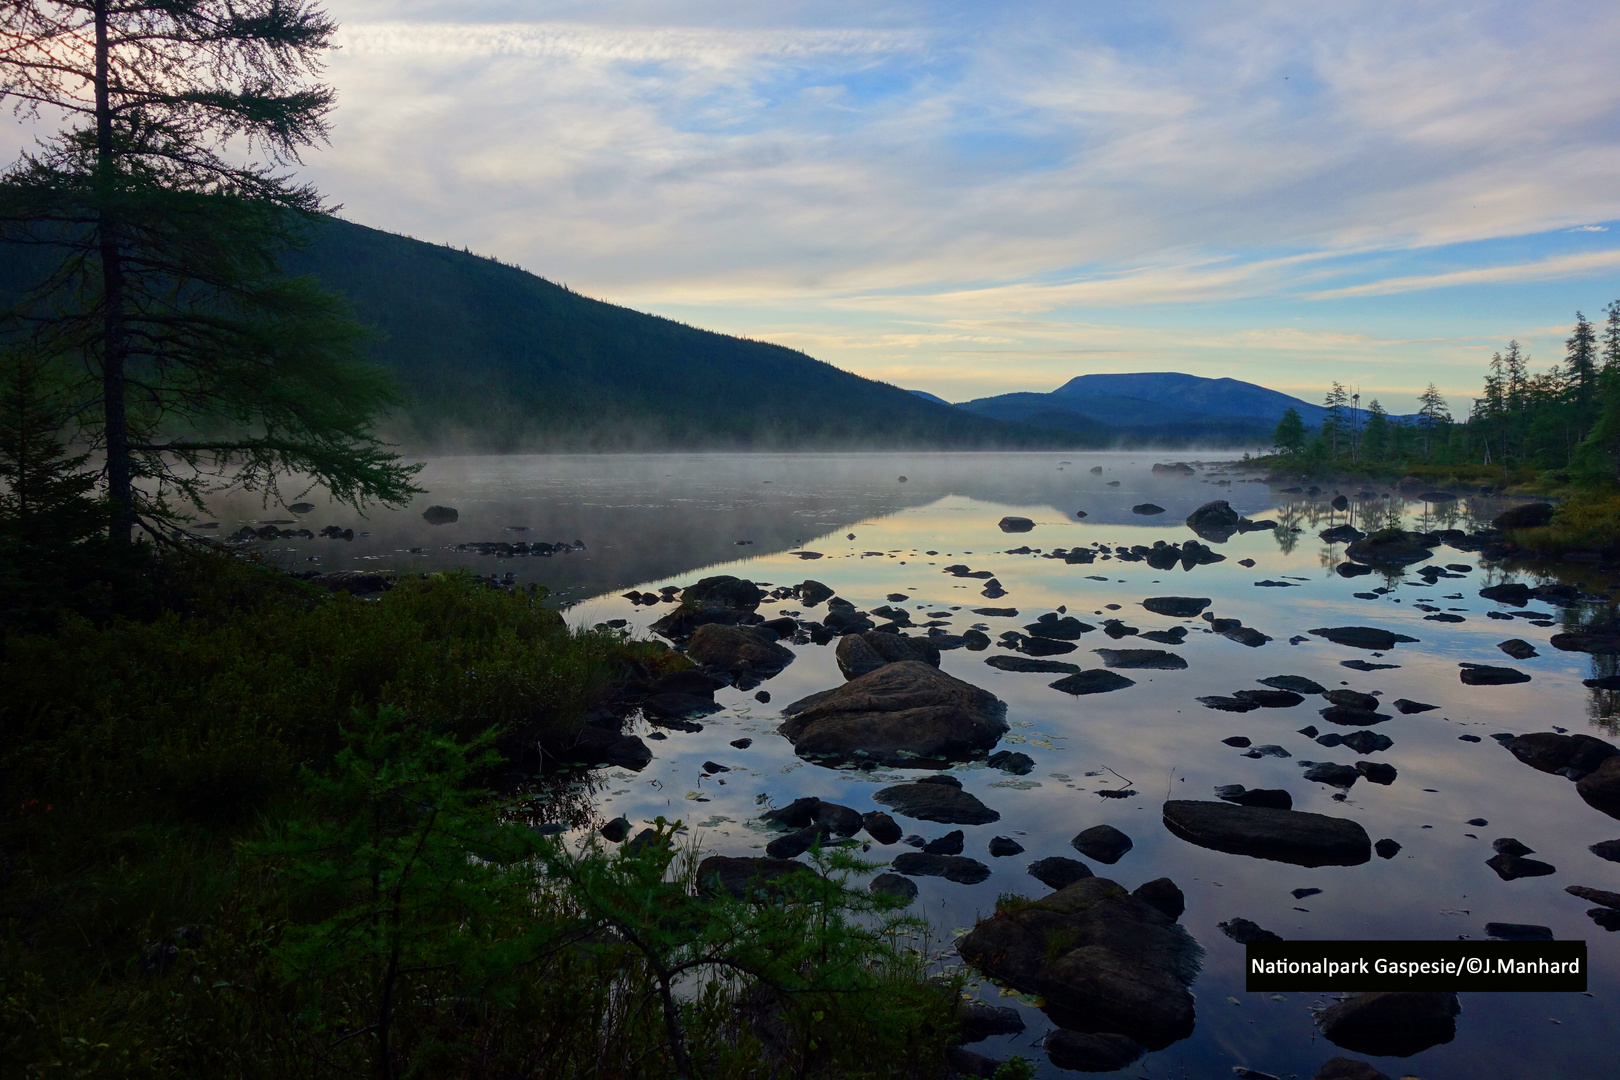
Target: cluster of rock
[1217,522]
[502,549]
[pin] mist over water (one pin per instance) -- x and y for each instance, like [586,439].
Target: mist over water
[648,521]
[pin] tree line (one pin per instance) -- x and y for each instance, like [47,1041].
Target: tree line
[1565,419]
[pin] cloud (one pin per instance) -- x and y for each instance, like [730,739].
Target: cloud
[1564,266]
[1589,228]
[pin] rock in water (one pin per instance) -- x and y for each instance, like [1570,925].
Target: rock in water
[957,868]
[1531,515]
[1058,872]
[738,648]
[894,885]
[1551,752]
[1390,549]
[1163,894]
[1103,960]
[1518,648]
[903,714]
[723,590]
[1512,931]
[1104,843]
[936,802]
[1299,684]
[1094,681]
[1214,521]
[1081,1051]
[1601,787]
[1142,658]
[1243,931]
[1343,1068]
[980,1021]
[1026,663]
[881,827]
[1362,637]
[1177,607]
[1012,524]
[1147,509]
[745,877]
[1486,675]
[1291,836]
[1395,1023]
[812,593]
[433,515]
[859,654]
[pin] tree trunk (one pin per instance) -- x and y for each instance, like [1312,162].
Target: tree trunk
[114,342]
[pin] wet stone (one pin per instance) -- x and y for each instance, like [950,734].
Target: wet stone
[1487,675]
[893,885]
[1094,681]
[1244,931]
[1003,846]
[1512,867]
[1153,659]
[1057,872]
[957,868]
[1104,843]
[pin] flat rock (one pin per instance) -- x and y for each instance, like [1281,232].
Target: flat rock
[860,654]
[1177,607]
[1045,646]
[1604,897]
[1291,836]
[1227,704]
[1104,843]
[1597,640]
[1608,850]
[906,714]
[1390,549]
[1512,867]
[1244,931]
[1246,635]
[1553,752]
[957,868]
[1014,762]
[1147,509]
[1512,931]
[1395,1023]
[1062,628]
[1276,798]
[1362,637]
[1518,648]
[936,802]
[1030,663]
[1343,1068]
[1487,675]
[1299,684]
[1407,707]
[1093,681]
[1080,1051]
[1349,716]
[1058,872]
[1157,659]
[1271,699]
[1332,774]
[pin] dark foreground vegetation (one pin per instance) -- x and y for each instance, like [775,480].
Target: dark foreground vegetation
[1551,433]
[262,830]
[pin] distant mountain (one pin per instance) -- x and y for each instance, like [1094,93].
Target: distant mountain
[493,358]
[1153,408]
[926,396]
[1218,397]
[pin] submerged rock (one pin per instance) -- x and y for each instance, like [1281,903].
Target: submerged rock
[1290,836]
[744,877]
[1391,1024]
[1177,607]
[1486,675]
[906,714]
[1244,931]
[1552,752]
[1601,787]
[1026,664]
[1391,549]
[893,885]
[980,1021]
[1343,1068]
[1296,683]
[1081,1051]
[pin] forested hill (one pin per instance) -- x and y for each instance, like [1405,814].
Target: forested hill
[495,358]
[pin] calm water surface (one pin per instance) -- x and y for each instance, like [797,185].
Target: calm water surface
[656,520]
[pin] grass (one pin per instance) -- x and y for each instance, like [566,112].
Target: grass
[1586,521]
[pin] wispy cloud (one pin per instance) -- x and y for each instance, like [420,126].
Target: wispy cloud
[1564,266]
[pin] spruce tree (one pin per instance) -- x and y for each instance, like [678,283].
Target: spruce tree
[1289,438]
[1581,367]
[1431,413]
[201,365]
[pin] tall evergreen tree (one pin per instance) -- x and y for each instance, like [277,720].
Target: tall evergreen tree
[1289,438]
[1581,366]
[201,364]
[1611,339]
[1335,401]
[1375,437]
[1431,414]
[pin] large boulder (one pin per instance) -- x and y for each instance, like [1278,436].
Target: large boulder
[860,654]
[1516,593]
[723,590]
[1214,521]
[1392,548]
[1103,961]
[907,714]
[1396,1023]
[1601,787]
[1013,524]
[1531,515]
[1290,836]
[736,649]
[433,515]
[1552,752]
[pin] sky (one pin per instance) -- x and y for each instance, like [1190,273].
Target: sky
[972,198]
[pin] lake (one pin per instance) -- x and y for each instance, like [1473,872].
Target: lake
[644,522]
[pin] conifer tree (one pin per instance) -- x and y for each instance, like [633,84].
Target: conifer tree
[1431,413]
[1581,366]
[199,363]
[1289,438]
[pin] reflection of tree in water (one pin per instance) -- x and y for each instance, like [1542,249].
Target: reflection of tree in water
[1603,706]
[1390,515]
[566,798]
[1329,557]
[1447,515]
[1288,522]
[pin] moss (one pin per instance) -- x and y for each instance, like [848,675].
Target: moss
[1586,521]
